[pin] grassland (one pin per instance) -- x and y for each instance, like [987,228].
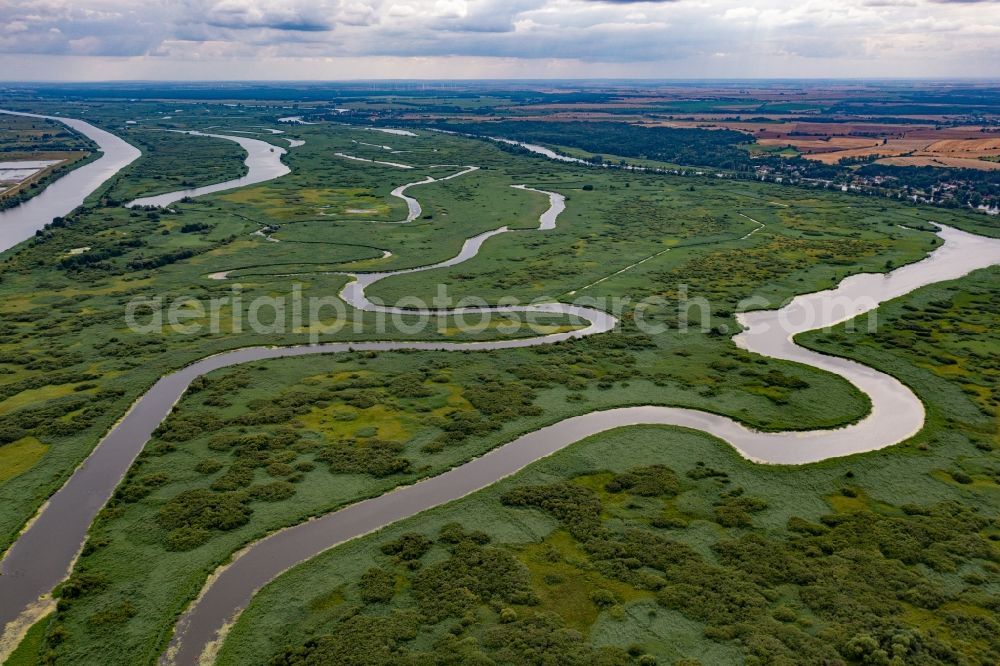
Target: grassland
[167,166]
[608,558]
[25,137]
[328,431]
[29,651]
[276,442]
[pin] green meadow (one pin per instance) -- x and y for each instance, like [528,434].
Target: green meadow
[254,448]
[673,550]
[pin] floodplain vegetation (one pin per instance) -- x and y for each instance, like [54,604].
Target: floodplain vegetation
[166,164]
[254,448]
[675,551]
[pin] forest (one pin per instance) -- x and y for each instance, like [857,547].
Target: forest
[692,147]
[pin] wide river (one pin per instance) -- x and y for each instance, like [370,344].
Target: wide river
[65,194]
[263,163]
[42,555]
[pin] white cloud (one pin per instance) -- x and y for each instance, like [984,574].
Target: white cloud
[451,9]
[740,14]
[680,37]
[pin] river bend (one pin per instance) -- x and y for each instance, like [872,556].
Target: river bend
[43,554]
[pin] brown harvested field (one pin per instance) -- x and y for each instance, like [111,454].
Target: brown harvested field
[709,123]
[972,148]
[951,146]
[584,116]
[880,130]
[723,118]
[928,148]
[889,148]
[940,161]
[814,146]
[579,106]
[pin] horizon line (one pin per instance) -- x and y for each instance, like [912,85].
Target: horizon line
[930,79]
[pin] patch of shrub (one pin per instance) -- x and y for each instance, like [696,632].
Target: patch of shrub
[271,492]
[652,481]
[377,586]
[377,457]
[200,508]
[409,546]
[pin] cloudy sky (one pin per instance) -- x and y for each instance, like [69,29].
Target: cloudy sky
[352,39]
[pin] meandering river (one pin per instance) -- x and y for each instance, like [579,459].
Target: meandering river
[42,555]
[896,415]
[263,163]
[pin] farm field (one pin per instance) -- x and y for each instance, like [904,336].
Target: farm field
[642,545]
[47,149]
[902,145]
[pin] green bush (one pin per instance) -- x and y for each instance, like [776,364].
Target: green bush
[271,492]
[410,546]
[191,515]
[652,481]
[377,586]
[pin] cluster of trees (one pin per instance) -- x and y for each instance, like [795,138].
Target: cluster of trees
[96,257]
[979,184]
[193,514]
[652,481]
[376,457]
[145,263]
[856,573]
[695,147]
[473,587]
[50,419]
[840,590]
